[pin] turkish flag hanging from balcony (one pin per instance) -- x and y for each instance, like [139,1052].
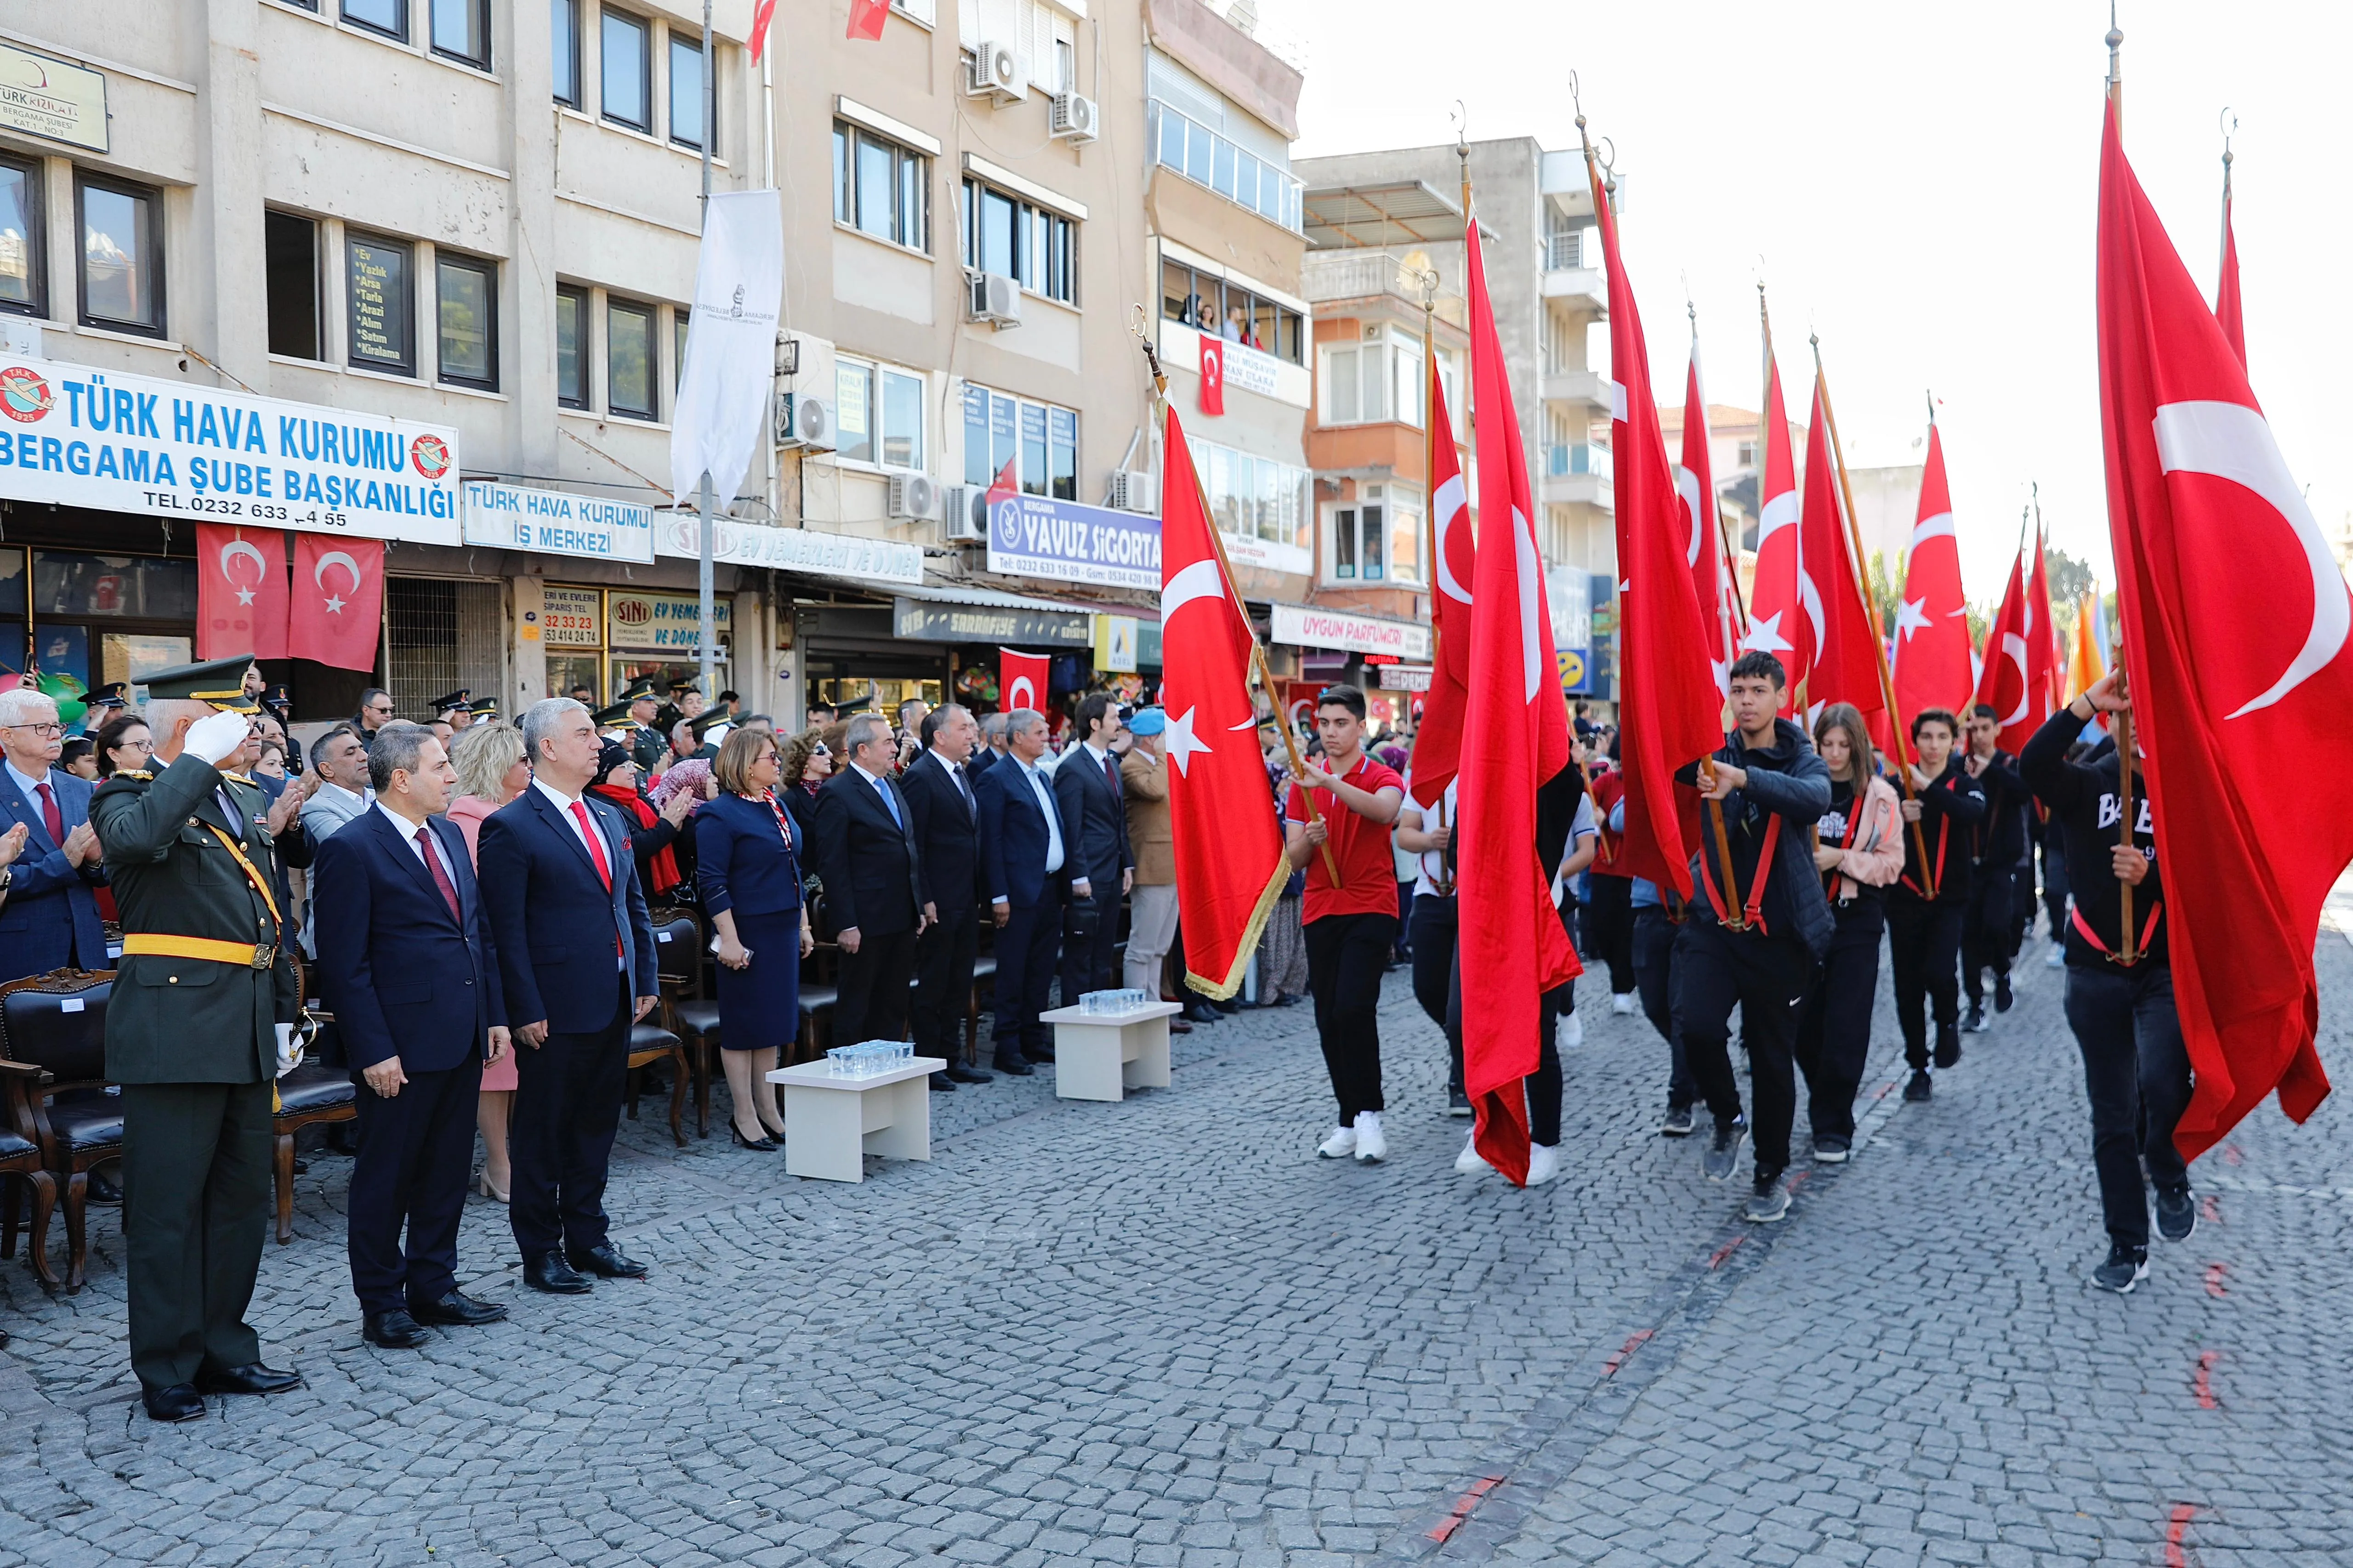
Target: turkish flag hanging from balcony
[1213,373]
[338,601]
[241,592]
[866,18]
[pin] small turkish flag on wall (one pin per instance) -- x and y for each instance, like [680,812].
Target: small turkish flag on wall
[338,600]
[866,18]
[241,592]
[1213,373]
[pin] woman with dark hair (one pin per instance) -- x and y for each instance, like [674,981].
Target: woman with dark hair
[653,833]
[125,743]
[807,761]
[748,855]
[1926,907]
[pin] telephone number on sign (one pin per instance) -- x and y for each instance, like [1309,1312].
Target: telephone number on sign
[214,506]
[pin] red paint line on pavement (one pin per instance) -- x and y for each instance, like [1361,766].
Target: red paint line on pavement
[2230,1154]
[1633,1341]
[1462,1507]
[2214,1286]
[2175,1557]
[2210,1209]
[2204,1382]
[1725,1251]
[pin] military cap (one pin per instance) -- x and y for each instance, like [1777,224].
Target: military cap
[639,691]
[684,684]
[109,696]
[703,724]
[617,714]
[483,708]
[451,703]
[219,682]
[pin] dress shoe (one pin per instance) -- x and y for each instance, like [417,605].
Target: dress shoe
[457,1310]
[394,1330]
[764,1143]
[102,1188]
[603,1259]
[495,1193]
[941,1084]
[251,1378]
[1013,1066]
[963,1074]
[547,1271]
[180,1402]
[1179,1027]
[1200,1011]
[1039,1053]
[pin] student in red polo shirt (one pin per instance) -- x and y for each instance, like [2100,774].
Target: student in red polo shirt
[1350,927]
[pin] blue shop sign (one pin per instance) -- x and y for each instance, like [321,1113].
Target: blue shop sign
[1062,542]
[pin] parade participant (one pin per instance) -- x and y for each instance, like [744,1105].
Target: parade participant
[1859,853]
[1352,924]
[455,709]
[1102,864]
[1610,894]
[1997,845]
[200,1024]
[2136,1067]
[1761,926]
[1926,907]
[639,706]
[1426,833]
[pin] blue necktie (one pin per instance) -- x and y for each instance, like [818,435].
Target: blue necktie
[890,802]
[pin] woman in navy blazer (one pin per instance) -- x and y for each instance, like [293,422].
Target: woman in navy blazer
[747,862]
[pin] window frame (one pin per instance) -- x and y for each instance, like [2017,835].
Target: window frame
[572,56]
[1061,420]
[482,18]
[37,236]
[406,293]
[1036,229]
[691,44]
[584,349]
[611,15]
[1293,493]
[618,303]
[879,433]
[317,292]
[84,183]
[849,139]
[400,9]
[487,270]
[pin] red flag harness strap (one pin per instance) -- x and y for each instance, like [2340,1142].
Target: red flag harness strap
[1944,831]
[1854,821]
[1751,913]
[2149,927]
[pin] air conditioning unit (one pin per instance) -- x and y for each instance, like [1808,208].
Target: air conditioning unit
[915,497]
[803,421]
[1132,489]
[994,299]
[996,73]
[967,514]
[1075,118]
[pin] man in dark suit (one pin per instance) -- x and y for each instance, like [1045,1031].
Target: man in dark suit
[1021,866]
[1102,864]
[406,963]
[990,750]
[51,920]
[865,843]
[946,821]
[575,955]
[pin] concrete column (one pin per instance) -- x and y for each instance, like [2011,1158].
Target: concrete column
[219,305]
[528,652]
[527,303]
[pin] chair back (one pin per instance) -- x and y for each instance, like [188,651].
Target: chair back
[678,950]
[58,1021]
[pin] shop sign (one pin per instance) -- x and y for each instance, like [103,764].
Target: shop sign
[666,622]
[679,535]
[1405,677]
[572,617]
[130,443]
[919,620]
[47,98]
[1305,627]
[1569,593]
[559,523]
[1248,550]
[1115,644]
[1062,542]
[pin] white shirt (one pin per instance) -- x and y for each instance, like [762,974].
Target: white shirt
[400,824]
[1579,826]
[955,772]
[27,786]
[599,852]
[1045,794]
[364,795]
[1431,873]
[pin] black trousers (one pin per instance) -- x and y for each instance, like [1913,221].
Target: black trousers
[195,1203]
[2136,1076]
[1924,944]
[2022,903]
[1985,930]
[2054,879]
[417,1151]
[1610,929]
[943,959]
[567,1108]
[1346,955]
[1542,1086]
[1834,1025]
[1767,977]
[1026,946]
[1091,940]
[871,1000]
[1654,973]
[1433,956]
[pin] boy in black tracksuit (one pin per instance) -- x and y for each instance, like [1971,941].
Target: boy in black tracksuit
[1997,846]
[1756,941]
[2135,1069]
[1925,905]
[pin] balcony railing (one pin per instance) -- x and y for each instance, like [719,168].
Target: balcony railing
[1562,458]
[1205,158]
[1563,251]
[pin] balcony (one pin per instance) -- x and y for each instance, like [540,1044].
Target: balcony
[1563,457]
[1587,389]
[1570,262]
[1577,472]
[1205,158]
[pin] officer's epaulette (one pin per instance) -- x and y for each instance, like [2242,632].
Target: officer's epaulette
[240,778]
[141,774]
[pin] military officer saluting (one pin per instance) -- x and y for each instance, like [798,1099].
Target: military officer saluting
[198,1028]
[639,708]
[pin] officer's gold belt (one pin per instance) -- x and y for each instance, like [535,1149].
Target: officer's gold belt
[244,954]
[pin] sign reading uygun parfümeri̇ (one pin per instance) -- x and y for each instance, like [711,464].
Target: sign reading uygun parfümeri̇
[82,437]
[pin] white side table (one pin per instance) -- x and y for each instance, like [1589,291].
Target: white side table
[1102,1056]
[832,1124]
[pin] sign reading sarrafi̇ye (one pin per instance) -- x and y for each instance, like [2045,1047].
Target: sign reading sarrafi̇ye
[79,437]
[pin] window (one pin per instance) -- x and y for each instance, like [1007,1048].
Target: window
[630,355]
[290,266]
[20,238]
[461,30]
[389,17]
[1035,247]
[1377,380]
[1207,158]
[121,256]
[629,85]
[878,414]
[686,91]
[467,290]
[1378,538]
[563,18]
[571,346]
[1748,454]
[1210,303]
[878,188]
[381,293]
[679,317]
[1040,440]
[1254,497]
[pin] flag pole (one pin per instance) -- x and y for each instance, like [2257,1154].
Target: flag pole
[2121,720]
[705,610]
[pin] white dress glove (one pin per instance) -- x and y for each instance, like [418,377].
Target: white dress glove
[290,1055]
[218,736]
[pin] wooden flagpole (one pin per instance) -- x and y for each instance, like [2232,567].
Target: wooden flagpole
[2120,721]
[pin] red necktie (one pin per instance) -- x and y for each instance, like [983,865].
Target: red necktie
[441,875]
[596,842]
[1111,772]
[49,814]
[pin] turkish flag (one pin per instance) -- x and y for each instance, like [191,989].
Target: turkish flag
[1516,723]
[1213,373]
[1670,704]
[2236,668]
[1695,488]
[1845,666]
[1438,740]
[1230,864]
[1776,615]
[1021,679]
[2229,313]
[338,601]
[866,18]
[2005,683]
[241,592]
[761,15]
[2044,663]
[1932,653]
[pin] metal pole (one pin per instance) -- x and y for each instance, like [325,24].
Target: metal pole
[702,565]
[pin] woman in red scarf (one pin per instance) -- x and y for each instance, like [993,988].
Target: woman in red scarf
[653,835]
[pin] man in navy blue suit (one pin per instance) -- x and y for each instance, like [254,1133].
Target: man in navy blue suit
[1102,866]
[937,788]
[1021,864]
[575,955]
[864,841]
[406,962]
[50,921]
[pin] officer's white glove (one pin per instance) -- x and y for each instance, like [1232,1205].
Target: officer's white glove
[218,736]
[290,1055]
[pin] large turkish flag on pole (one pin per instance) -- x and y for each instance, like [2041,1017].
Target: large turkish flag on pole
[241,592]
[2235,617]
[2044,660]
[2006,684]
[1845,666]
[1932,623]
[338,601]
[1517,724]
[1695,489]
[1776,615]
[1230,864]
[1438,739]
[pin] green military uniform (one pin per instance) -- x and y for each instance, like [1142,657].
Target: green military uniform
[193,1041]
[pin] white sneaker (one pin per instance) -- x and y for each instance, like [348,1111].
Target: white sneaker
[1624,1003]
[1471,1162]
[1572,1034]
[1371,1147]
[1544,1163]
[2057,957]
[1339,1145]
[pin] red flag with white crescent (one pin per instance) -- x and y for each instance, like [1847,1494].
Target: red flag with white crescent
[1021,679]
[1777,614]
[866,19]
[1931,656]
[1844,667]
[2044,666]
[2005,685]
[1695,488]
[1213,373]
[337,615]
[762,14]
[241,601]
[1438,741]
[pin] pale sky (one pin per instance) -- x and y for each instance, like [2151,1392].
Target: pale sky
[1922,184]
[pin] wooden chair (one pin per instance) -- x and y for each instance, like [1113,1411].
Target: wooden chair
[313,1092]
[56,1024]
[678,949]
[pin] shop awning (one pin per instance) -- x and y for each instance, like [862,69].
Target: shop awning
[997,599]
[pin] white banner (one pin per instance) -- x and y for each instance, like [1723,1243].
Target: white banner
[116,442]
[555,522]
[731,344]
[1303,625]
[679,535]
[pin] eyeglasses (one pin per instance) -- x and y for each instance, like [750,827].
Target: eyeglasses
[134,746]
[379,708]
[47,732]
[822,752]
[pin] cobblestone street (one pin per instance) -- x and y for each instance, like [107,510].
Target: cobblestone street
[1163,1332]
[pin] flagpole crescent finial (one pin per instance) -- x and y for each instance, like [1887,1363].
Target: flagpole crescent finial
[1461,118]
[2230,125]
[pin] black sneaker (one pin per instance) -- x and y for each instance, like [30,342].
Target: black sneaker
[2126,1268]
[1768,1200]
[1677,1123]
[1918,1088]
[2001,994]
[1457,1103]
[1832,1151]
[1975,1023]
[1948,1047]
[1723,1149]
[2177,1212]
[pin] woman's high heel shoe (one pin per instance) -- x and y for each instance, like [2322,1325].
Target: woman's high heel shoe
[496,1195]
[765,1145]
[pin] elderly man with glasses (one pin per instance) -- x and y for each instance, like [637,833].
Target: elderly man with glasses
[51,919]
